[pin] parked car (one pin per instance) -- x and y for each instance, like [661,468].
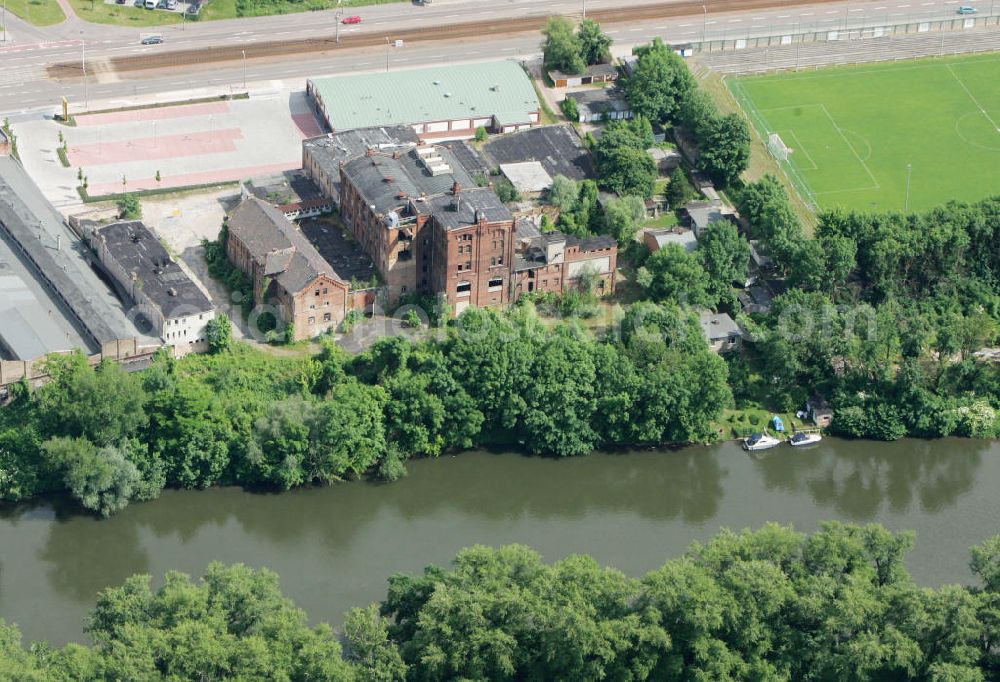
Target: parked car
[193,8]
[152,40]
[351,20]
[150,4]
[966,9]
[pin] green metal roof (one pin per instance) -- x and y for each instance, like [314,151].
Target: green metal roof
[444,93]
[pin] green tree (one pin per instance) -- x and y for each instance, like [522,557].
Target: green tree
[623,165]
[233,624]
[622,218]
[595,45]
[725,148]
[561,50]
[564,192]
[219,333]
[725,255]
[481,134]
[570,110]
[101,479]
[129,207]
[674,274]
[659,83]
[679,190]
[698,113]
[376,656]
[105,404]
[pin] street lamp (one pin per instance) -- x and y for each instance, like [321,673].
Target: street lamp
[387,54]
[584,9]
[704,26]
[244,53]
[3,22]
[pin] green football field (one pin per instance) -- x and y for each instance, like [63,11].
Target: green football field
[853,131]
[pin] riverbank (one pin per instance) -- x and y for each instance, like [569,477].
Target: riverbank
[335,547]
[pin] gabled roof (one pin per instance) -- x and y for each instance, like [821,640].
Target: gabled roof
[277,245]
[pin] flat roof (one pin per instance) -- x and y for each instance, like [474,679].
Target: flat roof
[168,287]
[34,323]
[58,261]
[527,176]
[443,93]
[558,148]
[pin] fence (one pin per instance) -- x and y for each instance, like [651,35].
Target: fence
[866,27]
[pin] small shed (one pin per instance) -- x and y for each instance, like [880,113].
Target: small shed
[819,411]
[596,105]
[666,159]
[721,332]
[595,73]
[657,239]
[777,423]
[759,254]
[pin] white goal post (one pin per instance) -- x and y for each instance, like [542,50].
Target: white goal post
[777,147]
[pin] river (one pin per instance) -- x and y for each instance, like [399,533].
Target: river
[335,547]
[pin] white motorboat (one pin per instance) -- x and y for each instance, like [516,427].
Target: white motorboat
[759,441]
[803,438]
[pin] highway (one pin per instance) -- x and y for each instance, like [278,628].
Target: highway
[27,88]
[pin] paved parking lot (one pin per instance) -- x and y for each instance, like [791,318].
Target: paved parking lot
[192,144]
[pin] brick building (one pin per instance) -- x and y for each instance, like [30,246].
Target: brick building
[287,271]
[556,262]
[177,309]
[428,227]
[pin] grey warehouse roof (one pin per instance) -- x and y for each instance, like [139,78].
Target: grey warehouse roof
[330,150]
[382,178]
[455,212]
[58,262]
[444,93]
[558,148]
[168,287]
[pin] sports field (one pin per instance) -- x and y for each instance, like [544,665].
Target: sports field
[853,131]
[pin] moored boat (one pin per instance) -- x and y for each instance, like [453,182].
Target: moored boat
[803,438]
[759,441]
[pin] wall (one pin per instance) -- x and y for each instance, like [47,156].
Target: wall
[127,352]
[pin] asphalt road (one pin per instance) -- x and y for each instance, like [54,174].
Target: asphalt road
[25,89]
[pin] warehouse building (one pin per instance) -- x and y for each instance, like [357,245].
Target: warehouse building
[448,102]
[177,309]
[51,299]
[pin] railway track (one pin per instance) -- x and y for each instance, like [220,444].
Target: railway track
[125,65]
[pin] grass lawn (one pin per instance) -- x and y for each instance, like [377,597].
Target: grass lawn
[666,219]
[37,12]
[859,135]
[741,423]
[98,12]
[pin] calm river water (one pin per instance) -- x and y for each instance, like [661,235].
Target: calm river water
[335,547]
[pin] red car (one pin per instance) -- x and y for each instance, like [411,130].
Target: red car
[351,20]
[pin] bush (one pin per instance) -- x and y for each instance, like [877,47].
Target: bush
[129,207]
[570,110]
[481,134]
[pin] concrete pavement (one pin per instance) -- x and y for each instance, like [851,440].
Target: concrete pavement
[25,88]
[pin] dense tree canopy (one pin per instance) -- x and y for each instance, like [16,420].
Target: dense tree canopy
[660,82]
[623,165]
[769,604]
